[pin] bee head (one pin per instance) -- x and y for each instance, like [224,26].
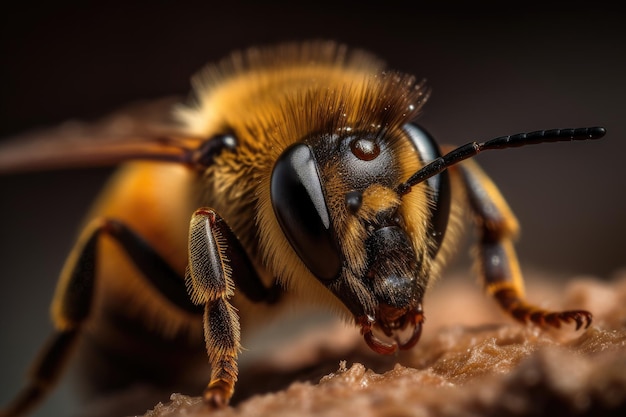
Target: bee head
[334,197]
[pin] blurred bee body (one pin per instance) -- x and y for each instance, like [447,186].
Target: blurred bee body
[304,178]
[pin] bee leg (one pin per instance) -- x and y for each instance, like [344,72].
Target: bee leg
[70,308]
[496,258]
[73,298]
[44,373]
[215,258]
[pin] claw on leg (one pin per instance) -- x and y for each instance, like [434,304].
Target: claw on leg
[218,394]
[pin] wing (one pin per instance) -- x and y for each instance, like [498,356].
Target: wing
[142,130]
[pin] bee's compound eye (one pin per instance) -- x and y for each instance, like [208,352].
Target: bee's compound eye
[364,149]
[439,184]
[300,207]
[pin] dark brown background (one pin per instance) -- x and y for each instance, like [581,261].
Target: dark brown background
[492,72]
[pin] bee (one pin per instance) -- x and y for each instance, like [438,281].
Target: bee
[294,173]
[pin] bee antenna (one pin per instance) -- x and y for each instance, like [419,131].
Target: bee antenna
[520,139]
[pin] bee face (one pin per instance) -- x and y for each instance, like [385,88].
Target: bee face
[334,198]
[329,147]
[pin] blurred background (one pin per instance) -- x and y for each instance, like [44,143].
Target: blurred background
[492,72]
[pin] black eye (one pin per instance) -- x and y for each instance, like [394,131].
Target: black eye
[364,149]
[439,184]
[301,210]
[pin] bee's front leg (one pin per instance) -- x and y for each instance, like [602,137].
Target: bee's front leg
[496,258]
[216,260]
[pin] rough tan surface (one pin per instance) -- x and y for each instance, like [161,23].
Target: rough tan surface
[471,361]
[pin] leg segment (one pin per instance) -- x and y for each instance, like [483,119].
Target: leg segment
[215,259]
[497,261]
[44,373]
[73,299]
[70,308]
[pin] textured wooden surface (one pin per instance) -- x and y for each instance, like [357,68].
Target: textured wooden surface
[472,361]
